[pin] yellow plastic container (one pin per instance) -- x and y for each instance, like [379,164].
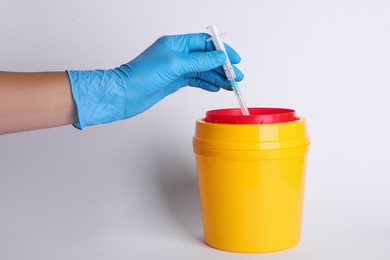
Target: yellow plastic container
[251,182]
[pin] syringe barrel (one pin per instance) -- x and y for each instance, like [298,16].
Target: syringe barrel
[229,71]
[215,37]
[218,43]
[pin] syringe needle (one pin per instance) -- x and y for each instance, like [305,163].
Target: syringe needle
[240,99]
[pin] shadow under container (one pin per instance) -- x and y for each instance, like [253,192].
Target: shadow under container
[251,173]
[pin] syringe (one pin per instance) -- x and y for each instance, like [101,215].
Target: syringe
[228,68]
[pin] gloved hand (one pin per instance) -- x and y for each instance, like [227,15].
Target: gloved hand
[172,62]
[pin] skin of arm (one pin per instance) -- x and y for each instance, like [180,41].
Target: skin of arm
[36,100]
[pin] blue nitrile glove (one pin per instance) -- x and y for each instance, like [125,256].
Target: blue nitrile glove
[172,62]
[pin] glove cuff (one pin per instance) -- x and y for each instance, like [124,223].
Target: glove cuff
[73,79]
[96,94]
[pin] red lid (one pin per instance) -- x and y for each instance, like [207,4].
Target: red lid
[257,116]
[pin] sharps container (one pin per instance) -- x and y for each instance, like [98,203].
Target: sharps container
[251,173]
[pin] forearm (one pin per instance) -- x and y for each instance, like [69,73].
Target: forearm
[35,100]
[84,98]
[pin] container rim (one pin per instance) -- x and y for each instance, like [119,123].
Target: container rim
[258,115]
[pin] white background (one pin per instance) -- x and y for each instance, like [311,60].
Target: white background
[128,190]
